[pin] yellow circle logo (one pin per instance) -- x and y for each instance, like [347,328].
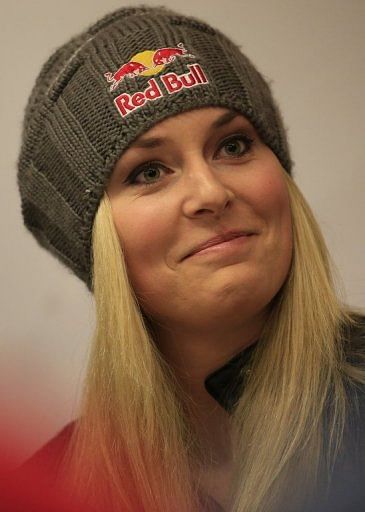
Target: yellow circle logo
[146,58]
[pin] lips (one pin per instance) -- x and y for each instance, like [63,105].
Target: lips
[218,239]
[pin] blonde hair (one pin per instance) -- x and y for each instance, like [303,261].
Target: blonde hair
[134,446]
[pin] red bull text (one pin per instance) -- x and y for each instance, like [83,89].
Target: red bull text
[152,62]
[171,84]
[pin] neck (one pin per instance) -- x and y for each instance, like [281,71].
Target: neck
[194,356]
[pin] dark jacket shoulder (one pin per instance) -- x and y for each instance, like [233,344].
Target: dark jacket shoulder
[353,337]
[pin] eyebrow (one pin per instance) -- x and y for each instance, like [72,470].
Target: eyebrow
[153,142]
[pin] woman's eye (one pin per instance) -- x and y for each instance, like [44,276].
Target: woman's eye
[146,174]
[237,145]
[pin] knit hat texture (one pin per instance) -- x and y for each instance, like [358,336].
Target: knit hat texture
[100,91]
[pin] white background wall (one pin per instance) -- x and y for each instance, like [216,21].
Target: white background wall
[311,50]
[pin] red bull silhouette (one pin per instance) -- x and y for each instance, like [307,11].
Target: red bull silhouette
[130,69]
[169,54]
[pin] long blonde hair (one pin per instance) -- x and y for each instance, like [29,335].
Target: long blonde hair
[134,447]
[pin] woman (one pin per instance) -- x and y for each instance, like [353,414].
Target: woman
[225,373]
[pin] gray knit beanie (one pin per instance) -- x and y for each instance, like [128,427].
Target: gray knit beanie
[96,94]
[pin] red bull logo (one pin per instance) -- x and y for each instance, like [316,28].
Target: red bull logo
[150,63]
[147,63]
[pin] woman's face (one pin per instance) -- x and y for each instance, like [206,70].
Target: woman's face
[190,178]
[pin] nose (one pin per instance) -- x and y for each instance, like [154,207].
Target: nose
[205,192]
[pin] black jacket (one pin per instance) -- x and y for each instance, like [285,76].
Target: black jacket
[347,490]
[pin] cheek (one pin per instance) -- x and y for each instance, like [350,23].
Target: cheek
[265,182]
[143,233]
[270,201]
[269,195]
[274,201]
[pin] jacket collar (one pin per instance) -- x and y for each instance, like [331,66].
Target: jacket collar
[225,384]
